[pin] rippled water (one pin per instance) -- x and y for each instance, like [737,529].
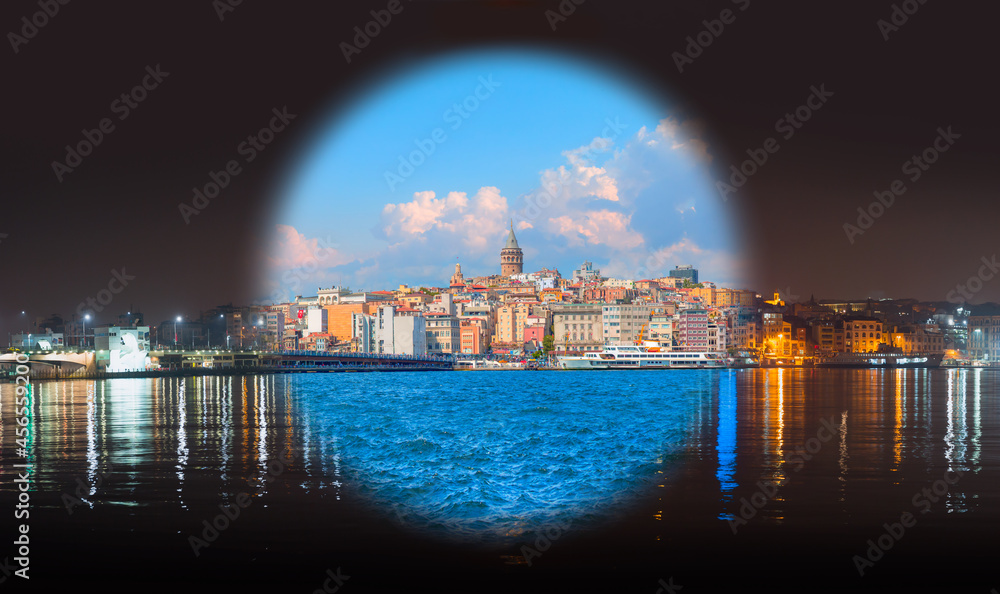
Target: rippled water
[492,454]
[672,457]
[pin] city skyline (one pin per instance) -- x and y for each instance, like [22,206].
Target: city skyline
[437,159]
[118,210]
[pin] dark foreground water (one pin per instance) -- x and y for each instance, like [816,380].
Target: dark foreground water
[714,481]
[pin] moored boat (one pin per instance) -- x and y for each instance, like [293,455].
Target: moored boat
[643,357]
[882,359]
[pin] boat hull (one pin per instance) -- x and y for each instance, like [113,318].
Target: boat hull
[878,361]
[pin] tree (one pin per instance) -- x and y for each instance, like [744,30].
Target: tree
[548,344]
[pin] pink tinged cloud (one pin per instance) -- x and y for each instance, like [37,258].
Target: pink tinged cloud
[597,227]
[292,249]
[476,221]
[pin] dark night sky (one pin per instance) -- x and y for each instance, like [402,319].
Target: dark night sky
[119,208]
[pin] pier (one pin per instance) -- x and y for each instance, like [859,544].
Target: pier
[88,364]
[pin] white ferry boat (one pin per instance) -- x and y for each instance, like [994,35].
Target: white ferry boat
[881,359]
[642,357]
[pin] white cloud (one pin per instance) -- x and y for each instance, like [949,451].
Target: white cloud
[476,221]
[682,135]
[581,179]
[598,227]
[291,249]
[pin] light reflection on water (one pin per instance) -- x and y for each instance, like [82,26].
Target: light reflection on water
[898,431]
[491,455]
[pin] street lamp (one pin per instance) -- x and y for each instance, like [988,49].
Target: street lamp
[177,321]
[85,318]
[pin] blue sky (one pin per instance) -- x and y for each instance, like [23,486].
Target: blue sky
[616,179]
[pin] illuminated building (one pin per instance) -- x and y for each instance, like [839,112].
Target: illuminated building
[984,337]
[863,335]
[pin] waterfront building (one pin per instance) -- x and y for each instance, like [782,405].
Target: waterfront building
[716,337]
[400,332]
[536,328]
[275,328]
[577,327]
[317,320]
[38,341]
[109,338]
[923,338]
[444,333]
[742,330]
[315,341]
[828,338]
[511,319]
[621,324]
[661,328]
[472,335]
[692,330]
[984,337]
[482,314]
[339,321]
[363,338]
[863,335]
[511,257]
